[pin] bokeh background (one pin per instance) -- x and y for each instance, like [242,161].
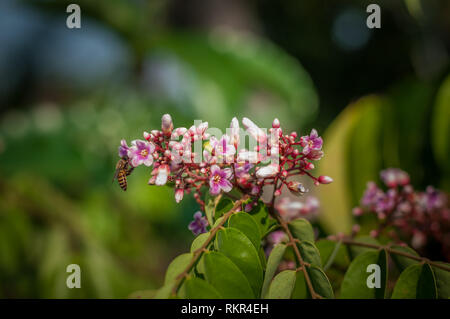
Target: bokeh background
[380,98]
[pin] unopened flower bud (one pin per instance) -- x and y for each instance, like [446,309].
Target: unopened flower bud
[276,123]
[167,125]
[267,171]
[179,193]
[162,172]
[356,228]
[325,179]
[357,211]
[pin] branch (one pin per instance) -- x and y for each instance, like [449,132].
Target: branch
[198,253]
[392,251]
[293,243]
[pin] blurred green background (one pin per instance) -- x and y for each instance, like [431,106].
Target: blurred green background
[380,97]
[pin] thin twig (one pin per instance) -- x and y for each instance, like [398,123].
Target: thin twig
[393,251]
[293,242]
[198,253]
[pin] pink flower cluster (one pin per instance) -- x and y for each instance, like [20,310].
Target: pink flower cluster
[193,160]
[420,218]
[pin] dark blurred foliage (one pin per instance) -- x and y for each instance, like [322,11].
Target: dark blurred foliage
[68,96]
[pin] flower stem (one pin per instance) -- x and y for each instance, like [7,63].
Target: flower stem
[393,251]
[198,253]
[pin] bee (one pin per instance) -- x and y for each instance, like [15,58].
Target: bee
[123,169]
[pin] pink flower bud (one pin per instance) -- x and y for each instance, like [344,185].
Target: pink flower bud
[325,179]
[147,136]
[357,211]
[356,228]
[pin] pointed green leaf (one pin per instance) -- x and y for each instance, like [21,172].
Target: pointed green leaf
[246,224]
[196,288]
[301,289]
[272,264]
[442,281]
[238,247]
[226,277]
[177,266]
[416,282]
[427,284]
[282,285]
[302,229]
[320,282]
[407,284]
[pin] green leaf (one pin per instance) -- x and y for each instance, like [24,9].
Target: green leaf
[355,280]
[415,282]
[427,284]
[224,205]
[246,224]
[301,289]
[442,281]
[177,266]
[164,292]
[240,250]
[199,241]
[282,285]
[210,204]
[262,257]
[403,262]
[261,216]
[276,255]
[310,253]
[226,277]
[406,286]
[301,229]
[320,282]
[196,288]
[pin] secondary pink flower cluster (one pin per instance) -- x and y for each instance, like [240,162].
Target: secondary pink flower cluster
[421,218]
[192,160]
